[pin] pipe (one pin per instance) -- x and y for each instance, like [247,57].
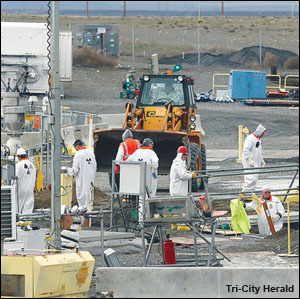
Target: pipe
[244,197]
[207,241]
[289,229]
[245,173]
[291,184]
[250,168]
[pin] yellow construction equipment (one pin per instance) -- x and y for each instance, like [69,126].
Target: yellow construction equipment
[45,274]
[169,118]
[290,198]
[243,133]
[67,184]
[40,177]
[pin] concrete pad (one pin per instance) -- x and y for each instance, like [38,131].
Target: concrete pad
[124,246]
[214,155]
[253,259]
[95,235]
[199,282]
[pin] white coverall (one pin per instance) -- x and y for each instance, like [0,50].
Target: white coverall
[26,173]
[149,156]
[84,170]
[252,149]
[275,206]
[120,154]
[179,177]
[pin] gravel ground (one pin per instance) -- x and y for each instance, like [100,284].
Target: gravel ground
[98,90]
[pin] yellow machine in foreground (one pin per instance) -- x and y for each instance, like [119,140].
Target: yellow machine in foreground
[36,274]
[165,112]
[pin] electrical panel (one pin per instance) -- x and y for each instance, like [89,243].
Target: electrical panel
[8,212]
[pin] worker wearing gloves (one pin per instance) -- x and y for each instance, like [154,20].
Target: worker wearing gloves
[179,175]
[275,208]
[252,157]
[126,148]
[26,173]
[84,170]
[147,154]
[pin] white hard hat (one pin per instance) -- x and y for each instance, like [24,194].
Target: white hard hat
[266,187]
[21,152]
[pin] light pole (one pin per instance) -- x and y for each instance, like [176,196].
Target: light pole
[199,33]
[56,136]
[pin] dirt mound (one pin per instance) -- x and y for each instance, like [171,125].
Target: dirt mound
[43,198]
[246,57]
[281,241]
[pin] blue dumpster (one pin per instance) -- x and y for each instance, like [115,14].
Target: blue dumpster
[247,84]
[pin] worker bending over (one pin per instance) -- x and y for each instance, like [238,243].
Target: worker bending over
[276,210]
[84,170]
[26,173]
[252,157]
[179,175]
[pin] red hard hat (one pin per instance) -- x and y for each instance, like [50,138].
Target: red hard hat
[182,149]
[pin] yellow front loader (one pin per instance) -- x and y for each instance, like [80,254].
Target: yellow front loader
[166,112]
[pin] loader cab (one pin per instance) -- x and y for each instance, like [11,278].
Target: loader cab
[161,90]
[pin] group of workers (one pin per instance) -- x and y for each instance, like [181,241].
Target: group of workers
[131,150]
[84,171]
[252,157]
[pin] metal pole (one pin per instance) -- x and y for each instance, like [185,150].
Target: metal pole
[124,9]
[199,33]
[209,243]
[222,8]
[87,8]
[102,236]
[260,47]
[56,149]
[133,46]
[245,173]
[291,184]
[292,9]
[289,228]
[198,45]
[249,168]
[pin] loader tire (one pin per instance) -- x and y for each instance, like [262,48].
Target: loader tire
[198,162]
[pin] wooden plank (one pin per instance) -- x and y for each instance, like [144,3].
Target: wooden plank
[225,232]
[190,241]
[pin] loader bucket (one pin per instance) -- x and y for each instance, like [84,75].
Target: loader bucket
[107,142]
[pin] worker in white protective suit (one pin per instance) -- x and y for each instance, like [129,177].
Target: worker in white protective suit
[84,170]
[148,155]
[26,173]
[126,148]
[252,157]
[179,175]
[276,210]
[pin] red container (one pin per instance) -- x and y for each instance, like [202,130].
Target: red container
[169,251]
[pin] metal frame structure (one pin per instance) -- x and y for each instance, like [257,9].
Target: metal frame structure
[116,193]
[211,260]
[244,171]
